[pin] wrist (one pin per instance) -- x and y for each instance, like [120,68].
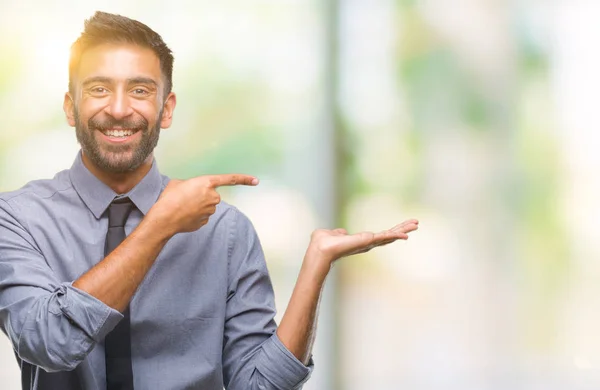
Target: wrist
[317,264]
[160,224]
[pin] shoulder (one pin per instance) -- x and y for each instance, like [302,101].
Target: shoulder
[36,192]
[234,218]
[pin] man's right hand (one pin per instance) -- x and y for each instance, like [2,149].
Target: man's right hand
[186,205]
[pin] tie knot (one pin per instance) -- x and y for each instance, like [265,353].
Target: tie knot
[118,212]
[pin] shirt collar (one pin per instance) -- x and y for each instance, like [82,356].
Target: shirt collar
[97,196]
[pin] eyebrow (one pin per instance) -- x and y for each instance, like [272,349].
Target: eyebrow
[108,80]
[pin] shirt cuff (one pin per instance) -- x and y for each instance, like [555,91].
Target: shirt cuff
[93,316]
[278,365]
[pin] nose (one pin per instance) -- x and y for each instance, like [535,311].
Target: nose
[119,106]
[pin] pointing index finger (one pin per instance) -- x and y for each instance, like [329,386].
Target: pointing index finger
[232,179]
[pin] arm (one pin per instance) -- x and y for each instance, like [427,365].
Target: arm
[50,324]
[115,279]
[184,206]
[256,355]
[298,325]
[55,325]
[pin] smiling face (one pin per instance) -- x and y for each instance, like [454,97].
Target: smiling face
[118,107]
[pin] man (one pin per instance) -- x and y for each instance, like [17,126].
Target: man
[114,277]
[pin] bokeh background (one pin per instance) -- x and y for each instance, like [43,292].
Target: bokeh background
[479,117]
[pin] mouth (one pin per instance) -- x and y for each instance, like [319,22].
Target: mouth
[118,135]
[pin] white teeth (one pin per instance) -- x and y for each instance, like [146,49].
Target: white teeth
[118,133]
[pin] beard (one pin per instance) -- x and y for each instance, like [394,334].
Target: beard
[117,158]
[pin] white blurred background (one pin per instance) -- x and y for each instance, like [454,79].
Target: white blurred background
[478,117]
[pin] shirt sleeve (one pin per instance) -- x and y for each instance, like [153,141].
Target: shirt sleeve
[50,324]
[253,355]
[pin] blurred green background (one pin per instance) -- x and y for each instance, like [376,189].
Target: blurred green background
[479,118]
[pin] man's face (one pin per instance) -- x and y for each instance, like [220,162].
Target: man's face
[117,106]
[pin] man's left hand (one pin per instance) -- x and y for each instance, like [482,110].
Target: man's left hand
[330,245]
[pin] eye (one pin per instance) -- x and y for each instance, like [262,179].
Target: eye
[98,90]
[140,91]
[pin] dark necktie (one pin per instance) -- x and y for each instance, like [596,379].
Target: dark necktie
[117,344]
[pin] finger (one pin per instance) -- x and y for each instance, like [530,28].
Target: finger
[340,231]
[409,222]
[405,227]
[231,179]
[376,244]
[365,241]
[382,241]
[387,236]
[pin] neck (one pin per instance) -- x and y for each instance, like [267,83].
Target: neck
[120,183]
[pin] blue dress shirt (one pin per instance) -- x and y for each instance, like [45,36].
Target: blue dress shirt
[201,319]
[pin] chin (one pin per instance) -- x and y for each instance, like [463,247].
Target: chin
[118,163]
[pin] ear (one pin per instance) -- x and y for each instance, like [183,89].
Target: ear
[168,109]
[69,109]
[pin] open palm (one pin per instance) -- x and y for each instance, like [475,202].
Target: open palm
[337,243]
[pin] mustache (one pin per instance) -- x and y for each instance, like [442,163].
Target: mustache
[130,124]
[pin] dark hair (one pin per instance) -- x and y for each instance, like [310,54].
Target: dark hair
[110,28]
